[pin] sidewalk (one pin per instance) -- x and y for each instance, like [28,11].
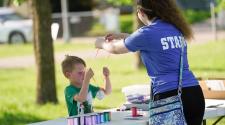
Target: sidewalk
[27,61]
[203,32]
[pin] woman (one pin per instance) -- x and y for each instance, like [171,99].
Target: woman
[159,43]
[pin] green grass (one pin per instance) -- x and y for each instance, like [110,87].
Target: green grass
[17,98]
[27,49]
[208,60]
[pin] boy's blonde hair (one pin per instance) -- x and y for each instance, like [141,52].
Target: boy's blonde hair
[69,61]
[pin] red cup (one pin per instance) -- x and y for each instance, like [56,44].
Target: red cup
[134,111]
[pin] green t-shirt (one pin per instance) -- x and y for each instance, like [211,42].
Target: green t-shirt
[74,106]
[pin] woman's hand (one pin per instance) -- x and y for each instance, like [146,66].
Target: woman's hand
[116,36]
[99,43]
[111,37]
[113,46]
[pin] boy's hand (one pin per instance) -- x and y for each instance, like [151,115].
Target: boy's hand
[106,71]
[89,73]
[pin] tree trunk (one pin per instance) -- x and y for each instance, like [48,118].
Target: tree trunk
[137,24]
[44,52]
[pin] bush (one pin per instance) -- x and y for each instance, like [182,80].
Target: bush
[126,23]
[194,16]
[96,30]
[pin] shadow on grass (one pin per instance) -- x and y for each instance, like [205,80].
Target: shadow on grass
[8,118]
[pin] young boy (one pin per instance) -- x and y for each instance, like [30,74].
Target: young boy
[80,93]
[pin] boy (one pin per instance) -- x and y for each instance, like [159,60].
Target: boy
[80,93]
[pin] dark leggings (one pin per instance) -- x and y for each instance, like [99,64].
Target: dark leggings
[193,103]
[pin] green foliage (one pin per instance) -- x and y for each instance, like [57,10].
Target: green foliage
[120,2]
[18,2]
[126,23]
[1,2]
[97,29]
[126,26]
[194,16]
[221,5]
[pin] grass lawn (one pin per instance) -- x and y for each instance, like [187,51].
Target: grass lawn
[27,49]
[208,60]
[17,98]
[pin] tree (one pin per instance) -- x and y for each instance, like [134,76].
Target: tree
[44,52]
[136,24]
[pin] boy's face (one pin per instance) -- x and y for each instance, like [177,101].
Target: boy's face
[77,74]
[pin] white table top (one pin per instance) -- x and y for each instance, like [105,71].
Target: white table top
[118,118]
[216,111]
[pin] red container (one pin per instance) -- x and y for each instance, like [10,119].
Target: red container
[134,111]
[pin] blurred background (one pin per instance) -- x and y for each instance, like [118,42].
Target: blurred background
[36,35]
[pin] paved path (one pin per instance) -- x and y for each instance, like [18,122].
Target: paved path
[27,61]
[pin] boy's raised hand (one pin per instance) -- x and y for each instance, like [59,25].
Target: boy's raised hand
[89,73]
[82,96]
[106,71]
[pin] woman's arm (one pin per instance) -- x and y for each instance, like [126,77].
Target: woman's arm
[114,46]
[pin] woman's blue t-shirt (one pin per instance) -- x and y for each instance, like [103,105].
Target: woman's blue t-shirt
[160,48]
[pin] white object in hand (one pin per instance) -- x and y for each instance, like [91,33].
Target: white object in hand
[100,95]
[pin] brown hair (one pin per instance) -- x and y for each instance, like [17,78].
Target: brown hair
[69,61]
[168,11]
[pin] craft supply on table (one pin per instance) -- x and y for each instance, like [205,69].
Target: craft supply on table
[134,114]
[90,119]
